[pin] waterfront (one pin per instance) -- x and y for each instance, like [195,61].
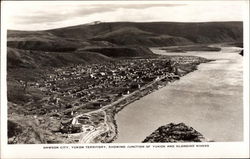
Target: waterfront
[209,99]
[80,101]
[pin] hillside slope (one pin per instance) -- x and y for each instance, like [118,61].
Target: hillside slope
[127,33]
[101,42]
[207,32]
[45,41]
[117,52]
[132,36]
[36,59]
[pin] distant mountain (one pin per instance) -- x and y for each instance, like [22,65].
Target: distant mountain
[129,33]
[206,32]
[91,43]
[132,36]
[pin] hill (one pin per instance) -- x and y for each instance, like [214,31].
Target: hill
[207,32]
[37,59]
[104,41]
[124,51]
[45,41]
[127,33]
[132,36]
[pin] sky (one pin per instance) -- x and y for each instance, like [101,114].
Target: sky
[38,15]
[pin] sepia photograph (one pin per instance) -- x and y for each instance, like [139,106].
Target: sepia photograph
[124,72]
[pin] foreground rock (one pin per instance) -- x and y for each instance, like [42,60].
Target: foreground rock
[175,133]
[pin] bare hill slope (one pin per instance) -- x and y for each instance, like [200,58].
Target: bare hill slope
[207,32]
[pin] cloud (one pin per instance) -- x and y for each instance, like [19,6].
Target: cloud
[63,12]
[47,15]
[41,17]
[144,6]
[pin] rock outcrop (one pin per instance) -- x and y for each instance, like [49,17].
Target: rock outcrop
[175,133]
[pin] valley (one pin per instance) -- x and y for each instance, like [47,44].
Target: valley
[66,85]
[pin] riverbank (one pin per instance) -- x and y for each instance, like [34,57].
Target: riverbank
[107,130]
[183,49]
[91,116]
[209,100]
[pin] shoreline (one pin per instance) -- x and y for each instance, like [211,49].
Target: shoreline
[203,95]
[114,108]
[153,90]
[99,125]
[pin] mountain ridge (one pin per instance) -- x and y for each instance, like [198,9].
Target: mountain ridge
[119,39]
[84,32]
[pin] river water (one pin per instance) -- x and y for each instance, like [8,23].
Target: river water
[209,99]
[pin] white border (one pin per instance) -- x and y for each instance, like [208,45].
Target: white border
[215,149]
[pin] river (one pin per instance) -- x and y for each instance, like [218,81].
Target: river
[209,99]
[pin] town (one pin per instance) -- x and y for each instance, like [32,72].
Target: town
[85,98]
